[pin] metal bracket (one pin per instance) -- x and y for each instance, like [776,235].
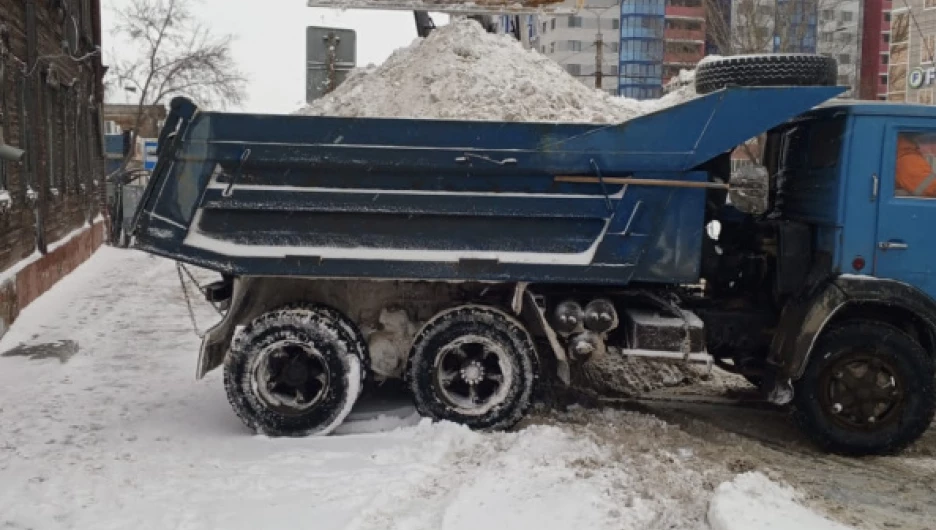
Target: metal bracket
[237,173]
[604,188]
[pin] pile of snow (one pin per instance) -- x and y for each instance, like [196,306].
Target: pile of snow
[462,72]
[752,500]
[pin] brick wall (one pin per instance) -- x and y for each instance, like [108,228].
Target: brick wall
[50,105]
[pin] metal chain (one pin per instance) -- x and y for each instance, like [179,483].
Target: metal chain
[188,303]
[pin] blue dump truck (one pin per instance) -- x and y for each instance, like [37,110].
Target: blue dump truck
[481,261]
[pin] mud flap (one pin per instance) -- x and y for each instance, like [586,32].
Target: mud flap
[533,314]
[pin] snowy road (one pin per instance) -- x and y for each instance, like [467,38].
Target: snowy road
[103,426]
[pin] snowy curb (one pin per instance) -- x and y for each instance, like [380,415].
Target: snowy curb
[752,501]
[11,273]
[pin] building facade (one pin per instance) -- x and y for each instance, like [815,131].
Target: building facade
[875,49]
[909,49]
[643,43]
[573,42]
[50,101]
[840,36]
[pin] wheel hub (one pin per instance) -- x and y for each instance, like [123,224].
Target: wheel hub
[291,378]
[862,392]
[472,374]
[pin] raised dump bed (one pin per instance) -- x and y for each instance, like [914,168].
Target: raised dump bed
[454,200]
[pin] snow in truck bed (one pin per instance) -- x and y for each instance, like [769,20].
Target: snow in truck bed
[462,72]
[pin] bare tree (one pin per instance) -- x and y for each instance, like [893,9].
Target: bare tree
[764,26]
[173,54]
[751,26]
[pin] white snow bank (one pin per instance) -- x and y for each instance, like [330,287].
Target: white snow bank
[752,502]
[462,72]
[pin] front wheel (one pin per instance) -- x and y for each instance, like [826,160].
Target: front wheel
[868,389]
[475,366]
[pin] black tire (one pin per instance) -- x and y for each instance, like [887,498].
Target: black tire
[755,380]
[766,70]
[325,341]
[900,424]
[483,330]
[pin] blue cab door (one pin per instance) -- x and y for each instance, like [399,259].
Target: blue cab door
[906,228]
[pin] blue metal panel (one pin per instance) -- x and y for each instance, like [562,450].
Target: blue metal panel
[904,223]
[392,198]
[858,203]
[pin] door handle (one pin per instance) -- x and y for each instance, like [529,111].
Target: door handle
[893,245]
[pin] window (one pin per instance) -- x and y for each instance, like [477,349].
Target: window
[925,96]
[543,49]
[844,58]
[898,54]
[552,24]
[615,23]
[929,4]
[4,126]
[847,16]
[883,59]
[913,171]
[24,138]
[927,49]
[828,14]
[574,21]
[575,45]
[50,150]
[844,80]
[574,69]
[900,28]
[552,47]
[544,27]
[887,16]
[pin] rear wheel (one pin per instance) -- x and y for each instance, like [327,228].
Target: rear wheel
[868,389]
[295,371]
[474,366]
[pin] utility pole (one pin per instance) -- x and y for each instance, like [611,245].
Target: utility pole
[331,59]
[599,55]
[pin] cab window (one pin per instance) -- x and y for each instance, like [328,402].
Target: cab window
[913,174]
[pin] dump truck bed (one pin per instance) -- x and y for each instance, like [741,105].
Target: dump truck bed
[288,195]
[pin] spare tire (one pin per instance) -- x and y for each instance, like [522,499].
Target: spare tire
[766,70]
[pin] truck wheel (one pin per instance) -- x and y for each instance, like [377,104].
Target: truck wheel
[475,366]
[868,389]
[766,70]
[295,371]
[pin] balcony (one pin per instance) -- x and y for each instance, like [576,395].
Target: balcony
[684,34]
[689,12]
[683,59]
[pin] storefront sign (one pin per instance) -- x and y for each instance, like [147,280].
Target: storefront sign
[921,76]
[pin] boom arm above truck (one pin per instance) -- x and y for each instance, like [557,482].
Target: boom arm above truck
[479,261]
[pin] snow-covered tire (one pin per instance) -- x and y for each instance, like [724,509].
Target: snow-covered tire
[766,70]
[479,345]
[313,348]
[830,394]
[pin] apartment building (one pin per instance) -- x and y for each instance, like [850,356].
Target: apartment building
[643,43]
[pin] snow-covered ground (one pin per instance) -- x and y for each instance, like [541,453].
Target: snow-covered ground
[103,426]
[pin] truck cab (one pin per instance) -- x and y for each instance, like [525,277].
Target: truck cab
[848,272]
